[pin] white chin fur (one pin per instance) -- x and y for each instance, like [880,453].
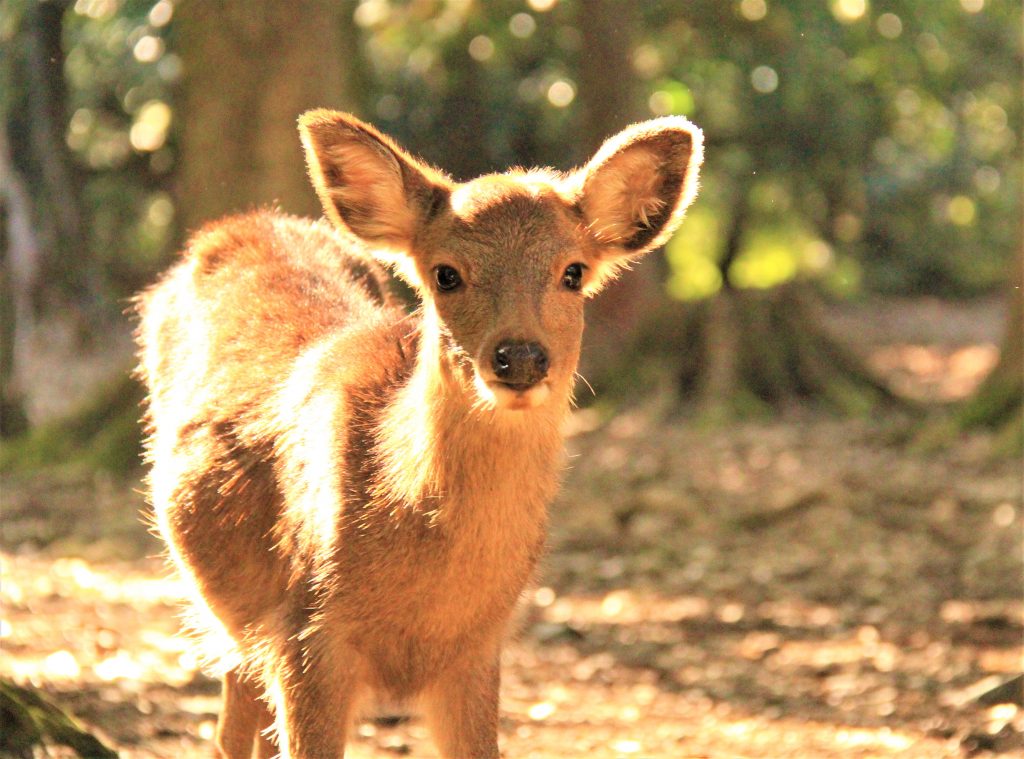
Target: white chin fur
[501,396]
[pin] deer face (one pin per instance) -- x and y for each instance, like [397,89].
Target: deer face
[503,263]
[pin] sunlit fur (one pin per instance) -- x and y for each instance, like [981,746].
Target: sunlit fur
[355,498]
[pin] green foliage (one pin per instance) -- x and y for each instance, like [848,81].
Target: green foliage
[119,76]
[892,136]
[888,134]
[693,255]
[103,435]
[475,87]
[771,256]
[113,118]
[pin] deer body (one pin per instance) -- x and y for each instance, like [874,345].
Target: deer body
[357,496]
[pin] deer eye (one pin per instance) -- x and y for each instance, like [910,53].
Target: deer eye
[447,278]
[572,278]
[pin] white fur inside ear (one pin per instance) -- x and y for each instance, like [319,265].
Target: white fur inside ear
[620,199]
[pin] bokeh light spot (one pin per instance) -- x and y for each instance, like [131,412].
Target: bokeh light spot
[161,13]
[149,132]
[849,11]
[371,13]
[753,10]
[481,48]
[148,49]
[522,25]
[561,93]
[961,211]
[764,79]
[889,26]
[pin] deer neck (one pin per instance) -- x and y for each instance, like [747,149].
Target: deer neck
[442,450]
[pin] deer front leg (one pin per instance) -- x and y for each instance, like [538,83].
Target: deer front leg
[462,709]
[315,693]
[243,715]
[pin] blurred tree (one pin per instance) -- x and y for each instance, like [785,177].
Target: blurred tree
[41,234]
[850,145]
[19,264]
[36,115]
[759,86]
[832,145]
[117,75]
[999,402]
[249,70]
[463,84]
[609,99]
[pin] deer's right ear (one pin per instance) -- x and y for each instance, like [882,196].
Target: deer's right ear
[367,184]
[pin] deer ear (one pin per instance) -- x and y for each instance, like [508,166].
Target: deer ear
[367,184]
[633,193]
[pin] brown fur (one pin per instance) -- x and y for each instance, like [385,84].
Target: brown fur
[355,499]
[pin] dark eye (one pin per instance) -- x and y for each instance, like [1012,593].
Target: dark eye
[572,278]
[447,278]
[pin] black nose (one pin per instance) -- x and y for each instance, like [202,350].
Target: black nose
[519,363]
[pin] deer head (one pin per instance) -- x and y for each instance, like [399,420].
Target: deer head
[503,263]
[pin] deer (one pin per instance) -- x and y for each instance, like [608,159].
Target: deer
[355,494]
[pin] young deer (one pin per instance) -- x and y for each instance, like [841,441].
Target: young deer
[357,496]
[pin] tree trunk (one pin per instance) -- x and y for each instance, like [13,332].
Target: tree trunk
[60,216]
[754,349]
[743,350]
[250,70]
[19,272]
[610,100]
[462,129]
[999,402]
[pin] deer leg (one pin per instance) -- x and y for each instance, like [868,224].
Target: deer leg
[462,709]
[315,695]
[242,715]
[266,748]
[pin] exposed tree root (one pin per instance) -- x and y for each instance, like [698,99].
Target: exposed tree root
[746,351]
[30,721]
[998,404]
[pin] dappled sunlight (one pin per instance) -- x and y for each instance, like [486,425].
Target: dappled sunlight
[772,256]
[71,621]
[791,519]
[692,255]
[935,372]
[632,671]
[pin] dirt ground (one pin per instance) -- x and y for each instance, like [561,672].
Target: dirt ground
[804,586]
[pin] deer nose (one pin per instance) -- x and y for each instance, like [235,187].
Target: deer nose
[519,363]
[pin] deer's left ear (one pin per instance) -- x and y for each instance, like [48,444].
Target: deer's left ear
[634,192]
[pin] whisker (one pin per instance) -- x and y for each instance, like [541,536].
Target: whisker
[586,383]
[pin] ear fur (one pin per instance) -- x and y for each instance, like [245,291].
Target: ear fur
[368,185]
[635,190]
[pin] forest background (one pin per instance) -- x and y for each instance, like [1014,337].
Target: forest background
[810,397]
